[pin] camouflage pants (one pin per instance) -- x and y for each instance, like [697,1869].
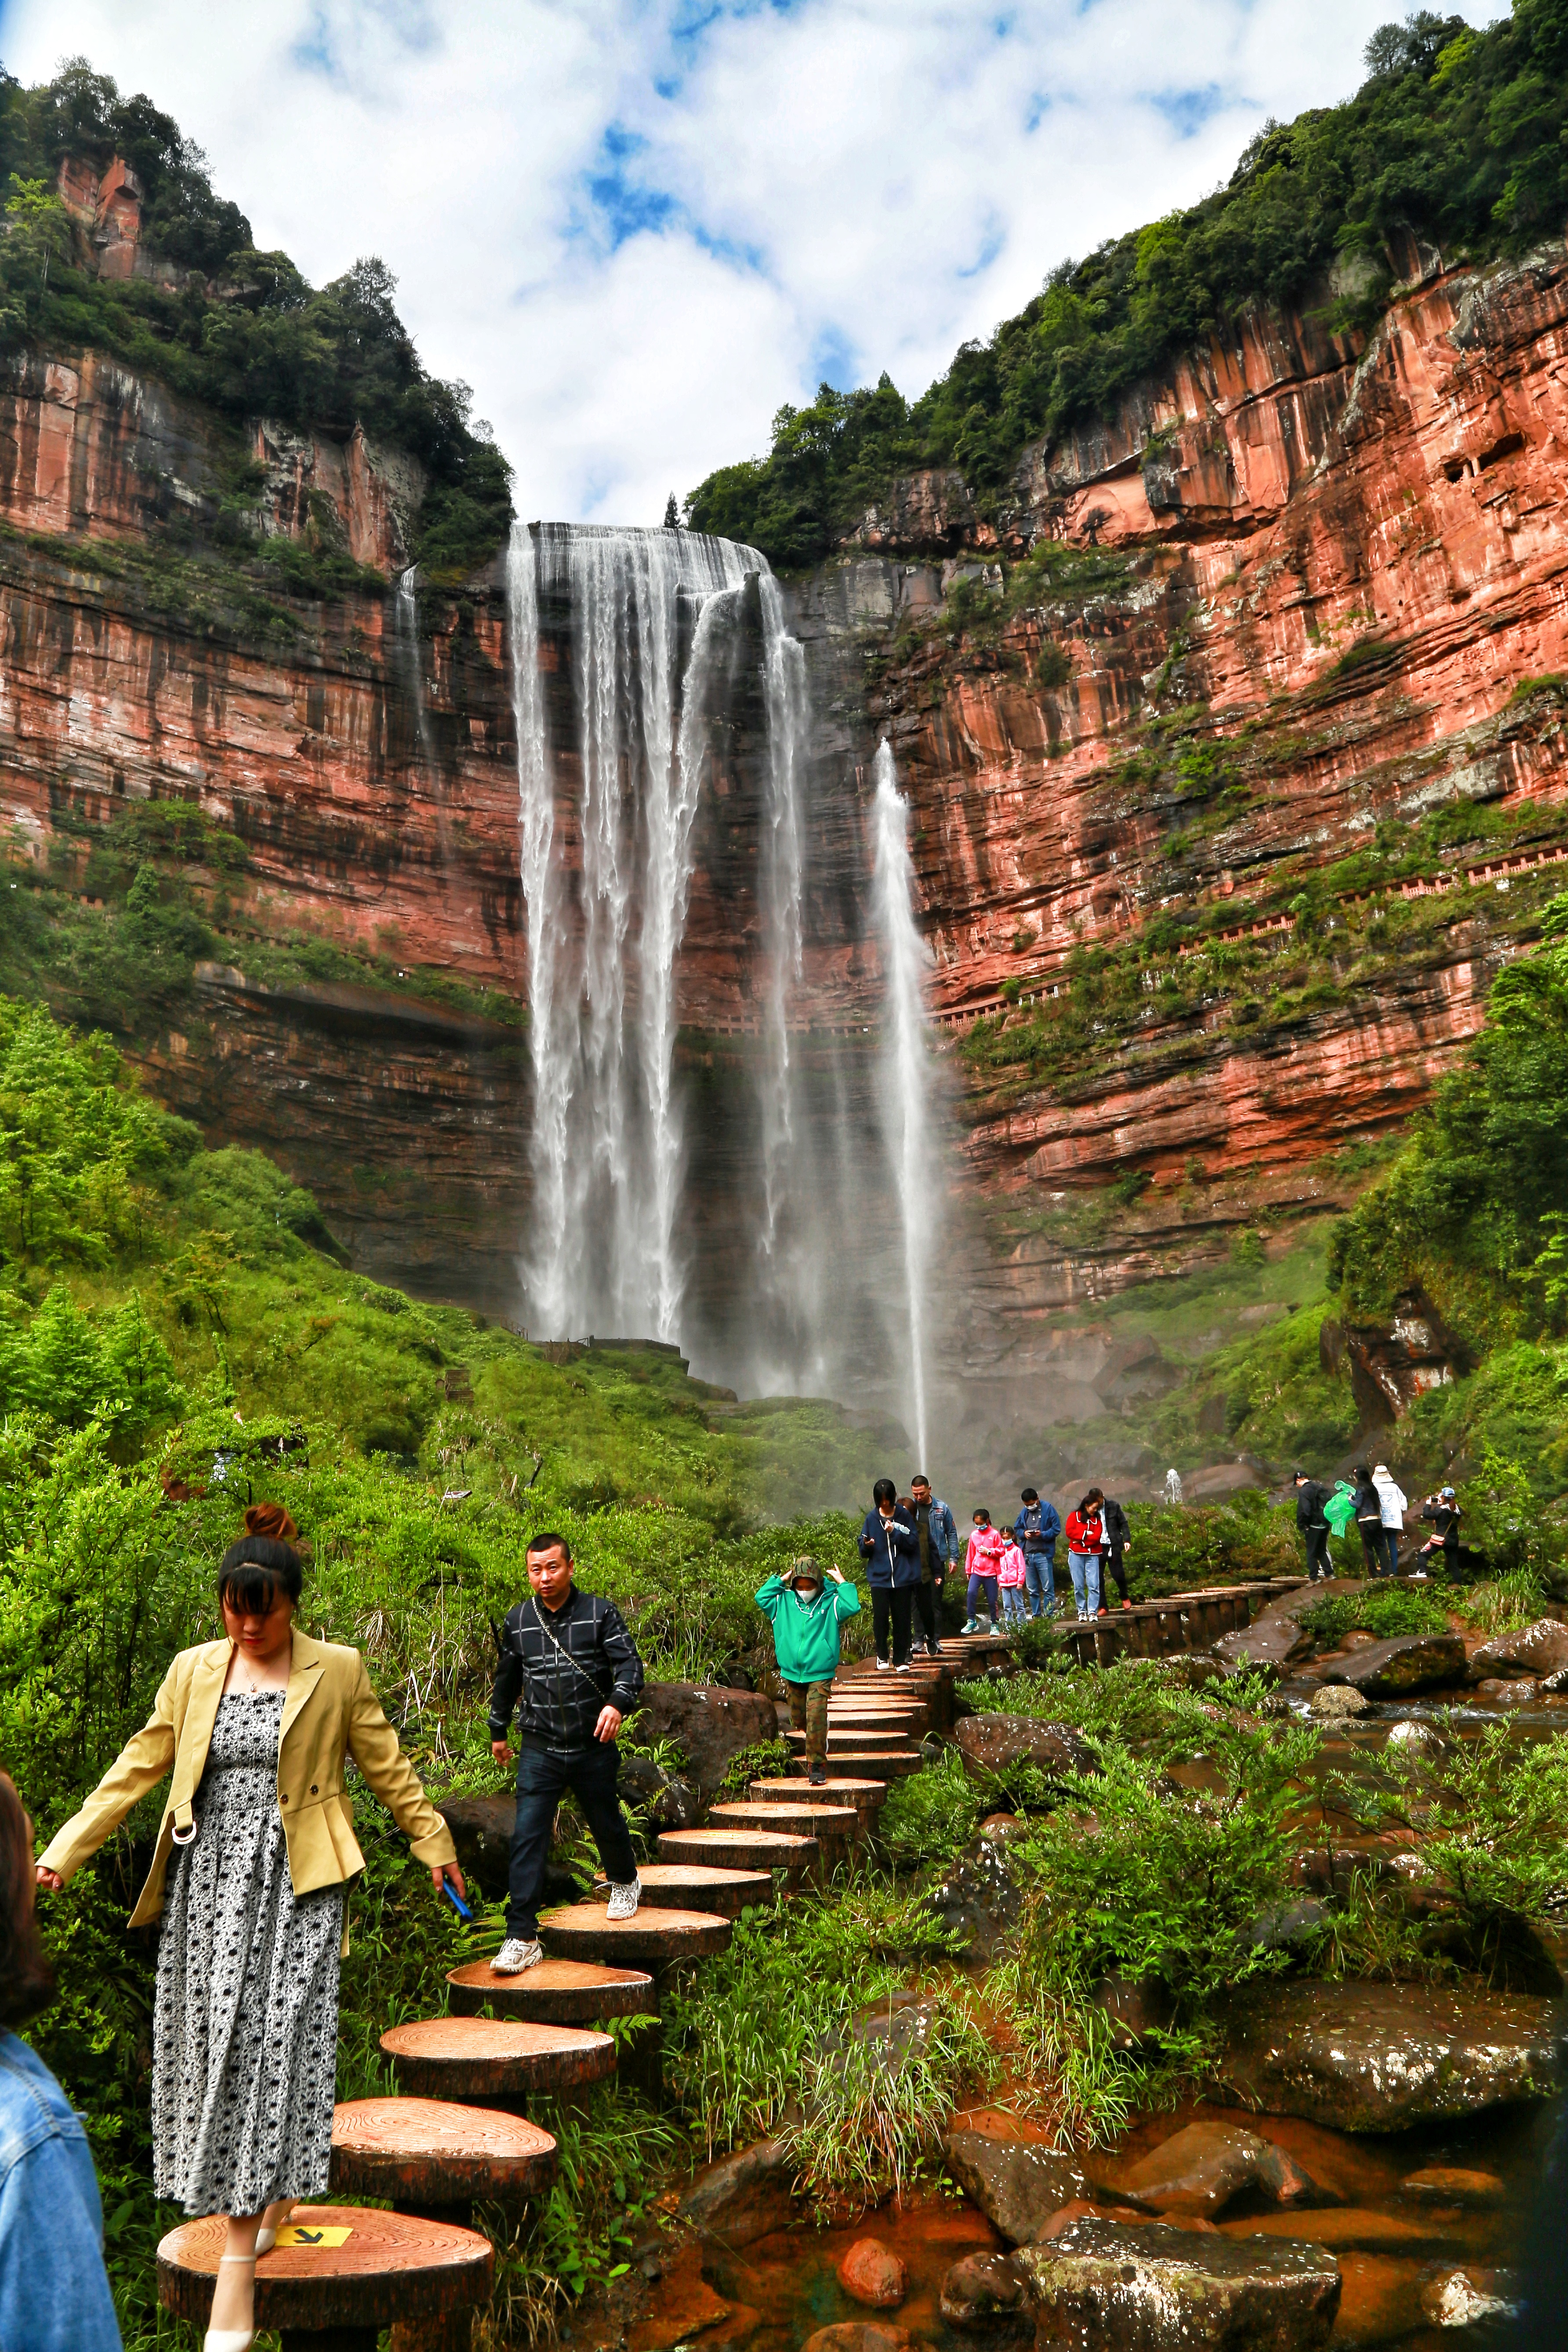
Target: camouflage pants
[809,1713]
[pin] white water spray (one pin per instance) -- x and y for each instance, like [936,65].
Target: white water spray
[905,1072]
[789,742]
[607,1140]
[408,642]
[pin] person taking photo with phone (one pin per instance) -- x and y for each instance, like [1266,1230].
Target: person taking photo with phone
[249,1877]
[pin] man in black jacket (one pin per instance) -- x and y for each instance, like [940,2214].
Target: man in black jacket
[571,1670]
[1118,1538]
[1310,1499]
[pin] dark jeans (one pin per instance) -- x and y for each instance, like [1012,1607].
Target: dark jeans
[1318,1560]
[925,1599]
[896,1608]
[1112,1565]
[1380,1547]
[544,1775]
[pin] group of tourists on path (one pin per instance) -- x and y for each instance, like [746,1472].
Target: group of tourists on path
[1372,1500]
[255,1854]
[910,1546]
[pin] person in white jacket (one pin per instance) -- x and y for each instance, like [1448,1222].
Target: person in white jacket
[1394,1508]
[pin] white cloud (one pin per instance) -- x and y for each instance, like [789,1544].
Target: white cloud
[635,226]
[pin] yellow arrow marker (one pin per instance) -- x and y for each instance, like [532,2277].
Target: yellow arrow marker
[298,2234]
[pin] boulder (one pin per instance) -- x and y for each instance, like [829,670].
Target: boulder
[668,1801]
[1104,2287]
[1514,1690]
[981,2287]
[1411,1662]
[1364,2057]
[1336,1700]
[991,1745]
[1017,2184]
[872,2272]
[1539,1649]
[1453,2184]
[1002,1829]
[1197,2170]
[482,1832]
[860,2335]
[1379,2301]
[1082,2209]
[1410,1738]
[1275,1638]
[707,1723]
[979,1897]
[743,2197]
[1136,2006]
[1458,2298]
[1280,1925]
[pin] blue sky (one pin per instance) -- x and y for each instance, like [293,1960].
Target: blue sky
[637,227]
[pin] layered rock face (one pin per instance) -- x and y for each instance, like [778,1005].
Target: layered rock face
[1353,556]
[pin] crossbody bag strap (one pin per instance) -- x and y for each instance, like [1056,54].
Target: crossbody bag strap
[565,1654]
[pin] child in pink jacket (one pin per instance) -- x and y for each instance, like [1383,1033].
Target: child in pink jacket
[1012,1574]
[981,1563]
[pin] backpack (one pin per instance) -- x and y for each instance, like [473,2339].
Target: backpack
[1340,1508]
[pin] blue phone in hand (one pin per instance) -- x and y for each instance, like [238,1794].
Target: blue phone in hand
[455,1900]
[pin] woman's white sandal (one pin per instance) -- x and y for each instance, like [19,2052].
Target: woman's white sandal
[231,2340]
[266,2236]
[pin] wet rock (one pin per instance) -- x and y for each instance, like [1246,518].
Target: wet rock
[981,2287]
[707,1723]
[1136,2008]
[979,1897]
[873,2273]
[893,2030]
[1453,2184]
[1359,2228]
[1017,2184]
[1190,1669]
[1411,1738]
[860,2335]
[993,1745]
[1106,2287]
[1280,1925]
[1083,2209]
[743,2197]
[1516,1690]
[1458,2297]
[1275,1639]
[1002,1828]
[668,1801]
[1197,2170]
[1539,1649]
[1337,1699]
[1380,2300]
[1411,1662]
[1378,2057]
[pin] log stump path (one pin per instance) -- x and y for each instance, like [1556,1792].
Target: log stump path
[460,2133]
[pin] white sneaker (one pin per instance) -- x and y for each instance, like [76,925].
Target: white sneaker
[885,1666]
[514,1955]
[623,1900]
[904,1668]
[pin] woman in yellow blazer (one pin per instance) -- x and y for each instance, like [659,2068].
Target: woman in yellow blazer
[255,1851]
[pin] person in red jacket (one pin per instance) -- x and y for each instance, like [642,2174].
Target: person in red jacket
[1085,1542]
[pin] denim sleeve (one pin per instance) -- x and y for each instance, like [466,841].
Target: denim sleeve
[54,2294]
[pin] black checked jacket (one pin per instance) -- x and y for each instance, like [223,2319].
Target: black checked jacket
[558,1702]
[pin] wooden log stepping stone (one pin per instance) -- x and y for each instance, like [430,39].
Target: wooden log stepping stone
[803,1820]
[700,1887]
[738,1849]
[883,1764]
[556,1992]
[495,2058]
[390,2270]
[424,2154]
[864,1795]
[586,1931]
[841,1742]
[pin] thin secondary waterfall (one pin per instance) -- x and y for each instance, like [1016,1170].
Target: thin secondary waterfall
[651,618]
[905,1072]
[407,610]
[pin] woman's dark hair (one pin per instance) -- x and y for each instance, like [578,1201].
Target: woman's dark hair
[982,1516]
[1362,1471]
[27,1978]
[264,1563]
[1095,1494]
[884,1491]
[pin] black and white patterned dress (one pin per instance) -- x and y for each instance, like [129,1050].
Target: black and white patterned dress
[245,2035]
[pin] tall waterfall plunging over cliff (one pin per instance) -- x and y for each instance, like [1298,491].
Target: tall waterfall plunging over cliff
[656,629]
[907,1109]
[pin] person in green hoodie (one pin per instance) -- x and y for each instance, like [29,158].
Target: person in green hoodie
[806,1617]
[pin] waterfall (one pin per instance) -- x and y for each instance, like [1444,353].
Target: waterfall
[407,613]
[905,1072]
[789,738]
[647,614]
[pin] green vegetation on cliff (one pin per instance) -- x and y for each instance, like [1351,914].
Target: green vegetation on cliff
[1454,139]
[222,324]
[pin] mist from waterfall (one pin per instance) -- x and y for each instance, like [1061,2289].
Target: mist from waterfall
[654,618]
[905,1073]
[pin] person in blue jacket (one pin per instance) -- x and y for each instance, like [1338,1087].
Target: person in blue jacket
[53,2293]
[806,1619]
[1035,1532]
[891,1549]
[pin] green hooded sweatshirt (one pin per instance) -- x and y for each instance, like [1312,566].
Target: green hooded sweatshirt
[806,1632]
